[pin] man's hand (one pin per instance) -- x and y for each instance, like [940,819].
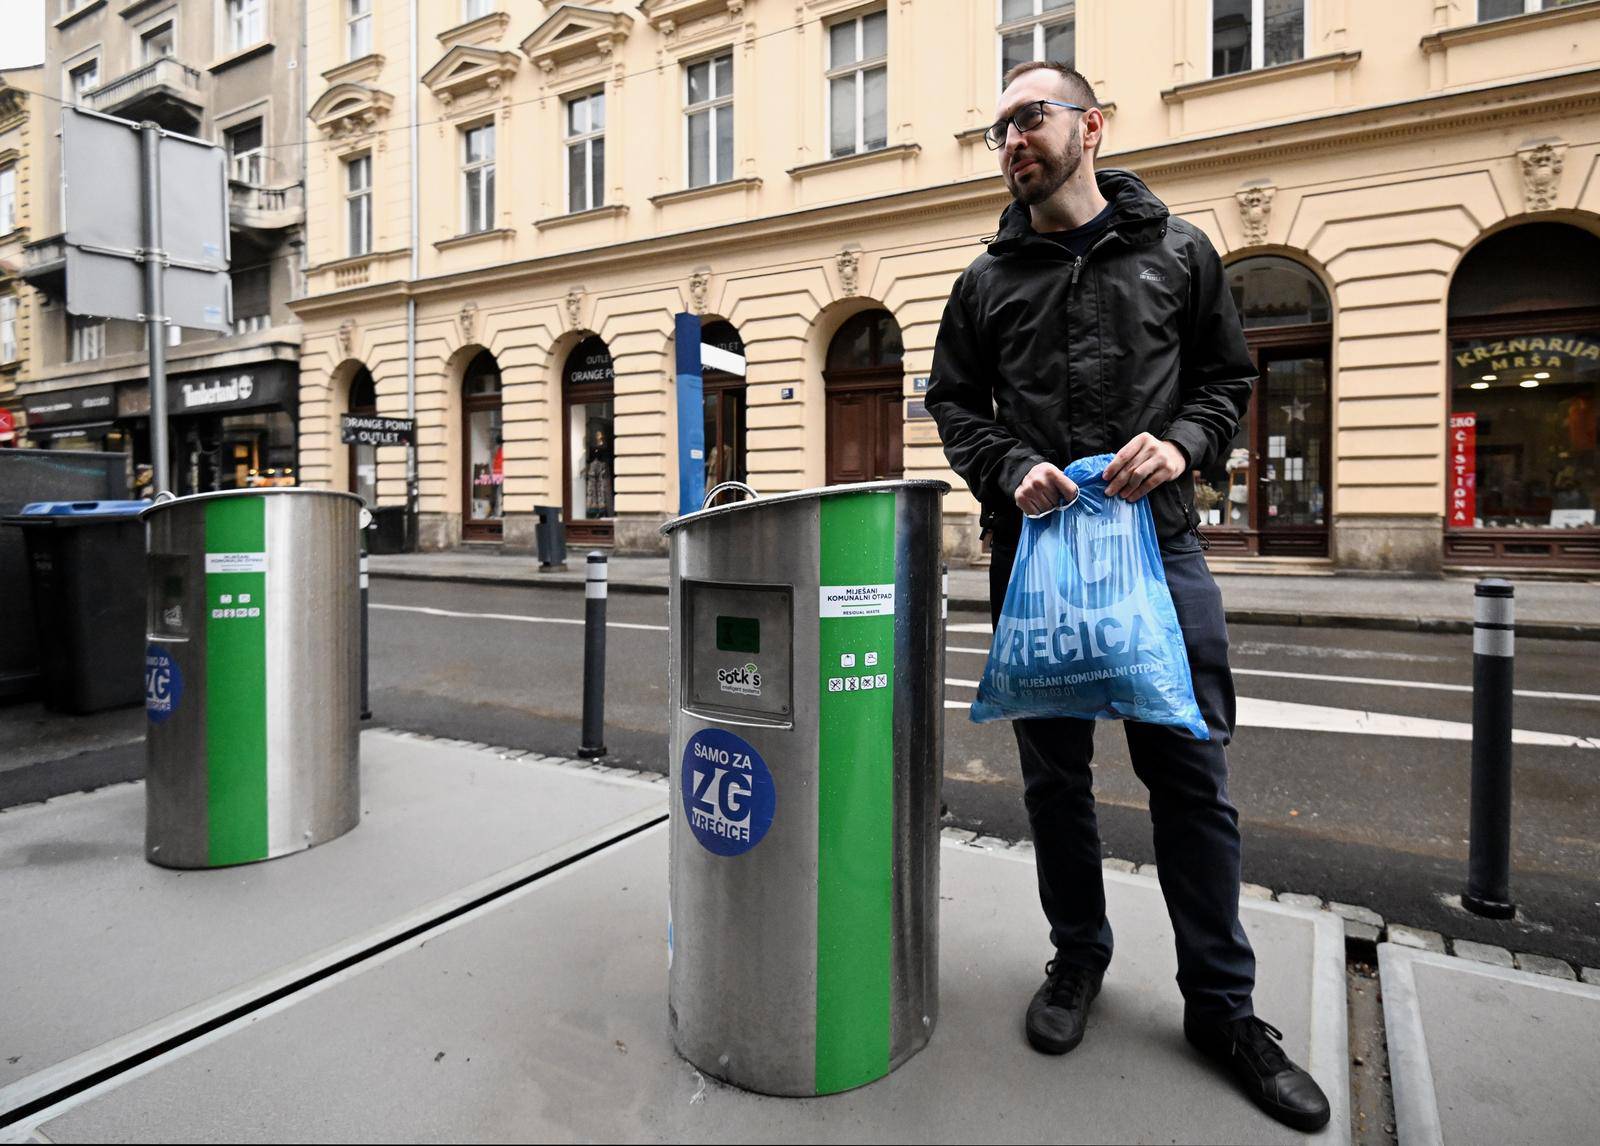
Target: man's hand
[1044,488]
[1140,466]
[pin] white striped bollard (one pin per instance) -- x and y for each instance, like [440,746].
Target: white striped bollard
[366,706]
[1493,646]
[594,657]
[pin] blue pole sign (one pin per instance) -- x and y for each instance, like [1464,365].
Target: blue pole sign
[728,793]
[691,415]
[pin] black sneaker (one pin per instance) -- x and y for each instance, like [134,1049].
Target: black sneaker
[1060,1008]
[1249,1049]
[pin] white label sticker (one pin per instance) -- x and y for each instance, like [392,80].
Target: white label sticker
[236,562]
[857,600]
[872,659]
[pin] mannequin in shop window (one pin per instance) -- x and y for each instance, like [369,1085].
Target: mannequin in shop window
[597,469]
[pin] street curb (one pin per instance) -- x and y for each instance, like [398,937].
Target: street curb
[1531,630]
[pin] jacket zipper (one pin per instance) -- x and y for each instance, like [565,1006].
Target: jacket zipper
[1077,263]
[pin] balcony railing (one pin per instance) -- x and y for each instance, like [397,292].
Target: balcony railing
[265,208]
[165,78]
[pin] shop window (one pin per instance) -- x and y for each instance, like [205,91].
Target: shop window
[1037,30]
[363,456]
[588,393]
[1249,34]
[485,447]
[858,84]
[1525,390]
[723,395]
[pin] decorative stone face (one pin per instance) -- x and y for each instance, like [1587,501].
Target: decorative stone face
[347,337]
[1255,212]
[849,262]
[574,307]
[1541,174]
[699,284]
[469,322]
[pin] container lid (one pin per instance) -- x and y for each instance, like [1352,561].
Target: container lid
[805,495]
[84,508]
[265,491]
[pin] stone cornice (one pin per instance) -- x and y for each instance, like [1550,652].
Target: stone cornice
[1447,38]
[465,69]
[1316,65]
[359,70]
[858,159]
[483,30]
[685,194]
[599,32]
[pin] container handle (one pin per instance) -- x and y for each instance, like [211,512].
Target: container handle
[727,485]
[163,496]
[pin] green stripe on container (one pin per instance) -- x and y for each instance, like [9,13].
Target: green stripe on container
[236,687]
[855,798]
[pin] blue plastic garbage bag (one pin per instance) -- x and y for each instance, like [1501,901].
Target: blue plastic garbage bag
[1088,628]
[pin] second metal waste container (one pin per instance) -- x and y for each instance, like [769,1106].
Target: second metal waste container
[252,675]
[806,725]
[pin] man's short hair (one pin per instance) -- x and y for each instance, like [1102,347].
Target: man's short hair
[1079,90]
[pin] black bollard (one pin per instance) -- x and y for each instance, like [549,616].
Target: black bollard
[1493,645]
[594,657]
[366,706]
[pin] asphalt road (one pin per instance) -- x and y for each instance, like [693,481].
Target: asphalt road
[1376,817]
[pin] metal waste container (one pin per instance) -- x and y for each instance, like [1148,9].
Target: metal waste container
[807,722]
[252,675]
[87,561]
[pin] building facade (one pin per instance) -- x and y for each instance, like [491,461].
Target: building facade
[20,188]
[509,203]
[227,71]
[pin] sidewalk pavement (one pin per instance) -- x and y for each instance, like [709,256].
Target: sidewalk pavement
[1556,609]
[484,958]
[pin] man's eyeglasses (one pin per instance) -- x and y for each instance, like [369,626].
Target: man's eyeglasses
[1027,117]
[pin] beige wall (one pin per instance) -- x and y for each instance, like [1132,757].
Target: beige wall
[1385,155]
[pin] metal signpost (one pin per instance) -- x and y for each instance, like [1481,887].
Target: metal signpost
[160,259]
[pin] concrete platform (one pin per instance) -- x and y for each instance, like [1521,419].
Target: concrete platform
[542,1016]
[1484,1054]
[105,954]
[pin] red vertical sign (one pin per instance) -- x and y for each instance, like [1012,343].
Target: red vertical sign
[1463,468]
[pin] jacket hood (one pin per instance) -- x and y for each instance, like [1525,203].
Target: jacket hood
[1137,215]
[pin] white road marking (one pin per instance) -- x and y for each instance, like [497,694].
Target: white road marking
[1332,652]
[512,617]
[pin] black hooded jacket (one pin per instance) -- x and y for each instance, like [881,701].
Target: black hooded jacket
[1043,357]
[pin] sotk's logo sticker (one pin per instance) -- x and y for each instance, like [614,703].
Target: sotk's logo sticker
[728,793]
[745,680]
[163,684]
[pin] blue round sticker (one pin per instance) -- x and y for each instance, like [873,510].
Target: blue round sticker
[163,684]
[728,793]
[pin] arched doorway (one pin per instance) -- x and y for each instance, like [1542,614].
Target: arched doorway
[363,458]
[1522,468]
[863,379]
[724,398]
[588,393]
[483,459]
[1267,493]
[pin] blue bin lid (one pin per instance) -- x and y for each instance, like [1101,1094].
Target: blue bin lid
[84,508]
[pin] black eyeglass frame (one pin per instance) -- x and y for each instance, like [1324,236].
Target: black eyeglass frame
[1001,127]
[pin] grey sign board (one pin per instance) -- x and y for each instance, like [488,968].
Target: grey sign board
[103,208]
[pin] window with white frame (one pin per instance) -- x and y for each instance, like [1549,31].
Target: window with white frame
[1500,9]
[858,84]
[88,338]
[358,204]
[586,152]
[252,299]
[1250,34]
[82,79]
[247,159]
[477,178]
[358,21]
[8,199]
[245,23]
[1037,30]
[708,108]
[8,328]
[157,43]
[473,9]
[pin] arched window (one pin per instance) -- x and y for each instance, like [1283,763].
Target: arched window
[363,457]
[724,397]
[864,379]
[1522,467]
[1267,493]
[588,385]
[484,443]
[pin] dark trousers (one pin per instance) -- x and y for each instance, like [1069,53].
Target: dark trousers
[1196,827]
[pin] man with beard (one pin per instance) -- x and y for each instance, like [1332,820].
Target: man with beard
[1095,323]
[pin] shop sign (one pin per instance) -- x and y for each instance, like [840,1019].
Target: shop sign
[376,430]
[8,425]
[590,364]
[71,407]
[1463,466]
[916,409]
[261,387]
[1527,353]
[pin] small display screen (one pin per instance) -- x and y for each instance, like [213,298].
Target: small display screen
[738,635]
